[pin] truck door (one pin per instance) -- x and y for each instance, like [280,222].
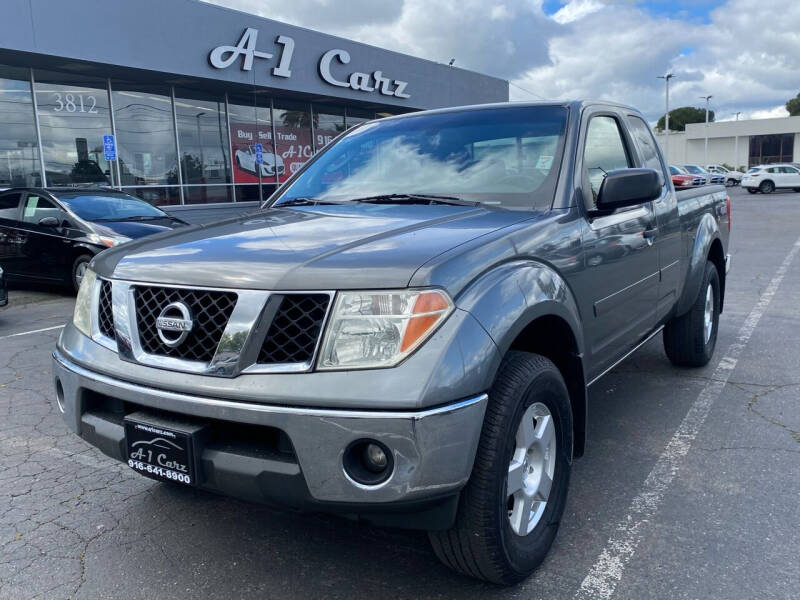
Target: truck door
[668,239]
[621,258]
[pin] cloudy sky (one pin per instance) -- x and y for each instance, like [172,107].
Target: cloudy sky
[744,52]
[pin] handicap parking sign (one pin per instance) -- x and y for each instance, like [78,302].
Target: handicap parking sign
[109,147]
[259,153]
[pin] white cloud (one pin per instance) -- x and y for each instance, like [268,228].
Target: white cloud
[748,57]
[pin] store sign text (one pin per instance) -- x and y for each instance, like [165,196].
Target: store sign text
[223,57]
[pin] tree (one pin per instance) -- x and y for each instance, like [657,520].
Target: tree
[679,118]
[793,106]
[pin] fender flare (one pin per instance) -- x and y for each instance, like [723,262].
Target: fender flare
[508,298]
[707,233]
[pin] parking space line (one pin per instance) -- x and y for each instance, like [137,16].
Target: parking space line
[607,571]
[3,337]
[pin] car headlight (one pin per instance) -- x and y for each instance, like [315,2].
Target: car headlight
[380,328]
[82,318]
[108,240]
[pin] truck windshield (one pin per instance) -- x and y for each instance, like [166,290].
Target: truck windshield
[508,157]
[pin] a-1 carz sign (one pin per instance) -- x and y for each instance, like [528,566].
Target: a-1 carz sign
[329,65]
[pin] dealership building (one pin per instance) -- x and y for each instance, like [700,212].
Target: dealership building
[188,90]
[736,143]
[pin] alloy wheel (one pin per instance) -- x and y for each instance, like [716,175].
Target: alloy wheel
[531,469]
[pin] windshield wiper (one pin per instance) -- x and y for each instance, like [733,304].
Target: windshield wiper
[416,199]
[132,218]
[302,201]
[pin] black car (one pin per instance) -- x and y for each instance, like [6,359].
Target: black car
[3,290]
[51,234]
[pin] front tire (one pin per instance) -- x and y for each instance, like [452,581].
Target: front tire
[511,507]
[79,267]
[690,339]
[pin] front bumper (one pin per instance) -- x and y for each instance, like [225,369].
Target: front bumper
[433,449]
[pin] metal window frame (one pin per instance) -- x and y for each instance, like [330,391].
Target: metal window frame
[38,129]
[114,133]
[177,142]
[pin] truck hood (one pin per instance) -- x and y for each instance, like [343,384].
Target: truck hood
[353,246]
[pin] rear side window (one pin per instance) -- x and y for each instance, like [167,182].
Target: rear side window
[37,208]
[604,151]
[647,145]
[9,203]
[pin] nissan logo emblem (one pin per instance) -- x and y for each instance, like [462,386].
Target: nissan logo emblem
[174,324]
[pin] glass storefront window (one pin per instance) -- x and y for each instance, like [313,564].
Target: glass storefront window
[249,193]
[251,123]
[203,141]
[356,116]
[328,123]
[293,132]
[157,196]
[207,194]
[145,134]
[19,151]
[73,118]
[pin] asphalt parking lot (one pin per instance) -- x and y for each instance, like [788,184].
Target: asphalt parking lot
[689,488]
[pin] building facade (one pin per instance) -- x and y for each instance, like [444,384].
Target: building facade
[188,90]
[739,144]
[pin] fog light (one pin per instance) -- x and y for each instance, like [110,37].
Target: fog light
[367,462]
[375,458]
[59,395]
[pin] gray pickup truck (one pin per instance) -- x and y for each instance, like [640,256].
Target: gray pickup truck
[405,333]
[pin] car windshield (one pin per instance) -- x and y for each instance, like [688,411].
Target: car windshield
[109,206]
[507,157]
[693,169]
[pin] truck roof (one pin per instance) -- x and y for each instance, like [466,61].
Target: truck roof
[572,104]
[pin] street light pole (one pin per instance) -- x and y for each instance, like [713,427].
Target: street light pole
[706,98]
[666,79]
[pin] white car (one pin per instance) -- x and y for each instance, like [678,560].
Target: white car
[246,161]
[731,177]
[768,178]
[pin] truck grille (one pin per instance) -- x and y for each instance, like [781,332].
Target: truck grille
[210,310]
[105,314]
[295,329]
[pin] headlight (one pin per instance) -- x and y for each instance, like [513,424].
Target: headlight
[108,240]
[82,319]
[380,329]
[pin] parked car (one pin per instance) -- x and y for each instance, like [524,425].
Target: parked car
[51,234]
[701,180]
[731,177]
[682,179]
[711,178]
[3,288]
[246,161]
[768,178]
[408,346]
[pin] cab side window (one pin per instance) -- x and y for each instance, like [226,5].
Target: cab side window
[604,151]
[9,204]
[37,208]
[647,145]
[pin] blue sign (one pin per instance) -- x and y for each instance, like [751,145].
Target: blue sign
[109,147]
[259,153]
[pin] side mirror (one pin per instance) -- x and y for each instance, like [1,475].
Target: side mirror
[628,187]
[49,222]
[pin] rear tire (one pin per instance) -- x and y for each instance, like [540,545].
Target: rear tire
[766,187]
[486,541]
[690,339]
[79,267]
